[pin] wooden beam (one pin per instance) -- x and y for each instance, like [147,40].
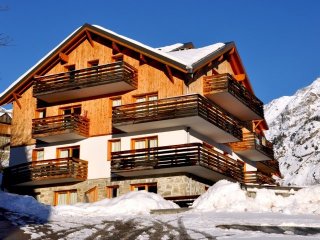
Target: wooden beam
[231,51]
[170,74]
[240,77]
[256,123]
[16,98]
[89,38]
[215,71]
[115,47]
[234,65]
[63,57]
[142,58]
[220,58]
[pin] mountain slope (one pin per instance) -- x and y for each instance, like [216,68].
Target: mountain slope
[294,123]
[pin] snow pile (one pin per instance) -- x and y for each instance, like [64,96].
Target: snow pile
[24,205]
[140,202]
[294,129]
[225,196]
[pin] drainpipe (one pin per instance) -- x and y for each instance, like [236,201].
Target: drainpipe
[188,134]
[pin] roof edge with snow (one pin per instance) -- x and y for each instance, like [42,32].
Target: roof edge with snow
[161,56]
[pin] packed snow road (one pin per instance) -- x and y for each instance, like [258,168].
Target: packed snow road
[184,226]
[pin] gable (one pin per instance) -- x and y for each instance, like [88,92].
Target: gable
[90,35]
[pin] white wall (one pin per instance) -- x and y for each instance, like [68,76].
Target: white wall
[94,149]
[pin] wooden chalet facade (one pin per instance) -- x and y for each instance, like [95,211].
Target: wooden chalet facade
[103,114]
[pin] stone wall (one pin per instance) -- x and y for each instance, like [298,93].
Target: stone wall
[180,185]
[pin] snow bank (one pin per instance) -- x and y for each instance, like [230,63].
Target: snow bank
[226,196]
[140,202]
[24,205]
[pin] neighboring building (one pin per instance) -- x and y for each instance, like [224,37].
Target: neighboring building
[103,114]
[5,132]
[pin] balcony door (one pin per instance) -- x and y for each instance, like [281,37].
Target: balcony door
[67,152]
[68,114]
[149,107]
[147,143]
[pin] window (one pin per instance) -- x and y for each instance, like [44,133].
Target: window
[65,197]
[71,110]
[149,187]
[41,113]
[37,154]
[67,112]
[114,145]
[91,195]
[146,142]
[69,152]
[112,191]
[146,97]
[115,102]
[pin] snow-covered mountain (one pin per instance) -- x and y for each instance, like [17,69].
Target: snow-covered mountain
[294,123]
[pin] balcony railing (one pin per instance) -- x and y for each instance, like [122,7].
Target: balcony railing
[193,154]
[256,177]
[88,82]
[213,85]
[273,164]
[254,146]
[60,170]
[178,111]
[60,128]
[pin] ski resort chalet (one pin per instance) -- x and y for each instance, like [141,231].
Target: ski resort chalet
[102,114]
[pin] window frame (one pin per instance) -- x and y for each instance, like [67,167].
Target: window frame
[34,154]
[146,139]
[110,147]
[58,151]
[145,185]
[68,192]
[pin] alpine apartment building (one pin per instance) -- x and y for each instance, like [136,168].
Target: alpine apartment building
[102,114]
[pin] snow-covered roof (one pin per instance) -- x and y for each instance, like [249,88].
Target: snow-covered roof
[170,48]
[183,59]
[192,56]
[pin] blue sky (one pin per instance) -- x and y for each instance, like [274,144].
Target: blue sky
[278,40]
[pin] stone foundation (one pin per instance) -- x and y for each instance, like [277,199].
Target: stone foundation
[180,185]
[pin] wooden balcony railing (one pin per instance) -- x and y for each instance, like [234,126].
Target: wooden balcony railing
[59,124]
[261,143]
[256,177]
[176,156]
[88,77]
[273,164]
[225,82]
[254,141]
[174,108]
[50,171]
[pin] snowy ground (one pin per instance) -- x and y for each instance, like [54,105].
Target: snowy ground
[209,225]
[223,212]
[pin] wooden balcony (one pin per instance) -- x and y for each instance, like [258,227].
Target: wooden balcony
[256,177]
[85,83]
[193,158]
[46,172]
[60,128]
[269,166]
[228,93]
[253,147]
[192,111]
